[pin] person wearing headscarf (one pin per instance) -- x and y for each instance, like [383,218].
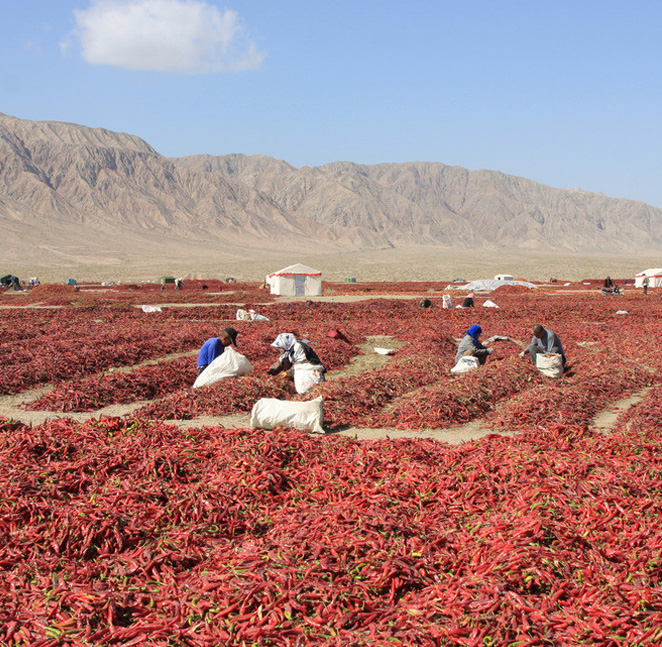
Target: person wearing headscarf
[469,301]
[470,345]
[294,351]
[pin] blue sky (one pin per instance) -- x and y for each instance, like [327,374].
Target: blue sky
[567,93]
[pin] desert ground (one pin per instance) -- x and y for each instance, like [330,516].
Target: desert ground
[395,264]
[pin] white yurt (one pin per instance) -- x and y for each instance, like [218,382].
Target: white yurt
[654,278]
[295,281]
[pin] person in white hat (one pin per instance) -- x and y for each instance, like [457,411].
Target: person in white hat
[295,351]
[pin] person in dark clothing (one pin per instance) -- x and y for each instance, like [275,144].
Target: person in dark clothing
[609,284]
[11,282]
[469,301]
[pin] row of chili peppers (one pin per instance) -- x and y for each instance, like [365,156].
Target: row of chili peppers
[172,376]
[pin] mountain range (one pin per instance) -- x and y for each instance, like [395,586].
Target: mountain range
[81,194]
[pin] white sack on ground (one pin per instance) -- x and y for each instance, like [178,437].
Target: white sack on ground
[250,315]
[385,351]
[465,364]
[151,309]
[490,304]
[269,413]
[550,364]
[229,364]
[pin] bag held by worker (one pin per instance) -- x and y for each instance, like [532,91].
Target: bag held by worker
[550,364]
[465,364]
[229,364]
[269,413]
[306,376]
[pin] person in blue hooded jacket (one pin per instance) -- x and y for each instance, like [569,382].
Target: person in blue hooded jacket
[470,345]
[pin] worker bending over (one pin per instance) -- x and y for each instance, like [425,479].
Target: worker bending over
[214,347]
[295,351]
[543,341]
[470,345]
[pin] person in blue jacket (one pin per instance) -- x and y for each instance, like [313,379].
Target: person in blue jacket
[214,347]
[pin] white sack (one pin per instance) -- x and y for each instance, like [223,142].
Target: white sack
[465,364]
[151,309]
[446,301]
[229,364]
[249,315]
[385,351]
[269,413]
[621,312]
[550,364]
[306,376]
[490,304]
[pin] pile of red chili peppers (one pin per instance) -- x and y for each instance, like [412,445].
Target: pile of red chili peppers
[130,531]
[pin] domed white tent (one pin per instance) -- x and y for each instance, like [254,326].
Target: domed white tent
[295,281]
[654,278]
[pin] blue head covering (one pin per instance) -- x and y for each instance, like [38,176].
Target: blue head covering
[473,332]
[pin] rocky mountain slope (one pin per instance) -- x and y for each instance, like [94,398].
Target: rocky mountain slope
[75,192]
[433,203]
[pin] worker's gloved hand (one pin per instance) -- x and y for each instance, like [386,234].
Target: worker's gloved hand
[274,369]
[523,353]
[490,351]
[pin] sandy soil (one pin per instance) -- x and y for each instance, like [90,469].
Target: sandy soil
[409,263]
[604,422]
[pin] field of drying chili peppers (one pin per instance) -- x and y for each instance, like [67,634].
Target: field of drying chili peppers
[132,531]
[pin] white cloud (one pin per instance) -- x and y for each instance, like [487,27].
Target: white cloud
[164,35]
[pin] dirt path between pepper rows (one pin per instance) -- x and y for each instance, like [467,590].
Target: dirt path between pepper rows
[11,406]
[606,420]
[366,360]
